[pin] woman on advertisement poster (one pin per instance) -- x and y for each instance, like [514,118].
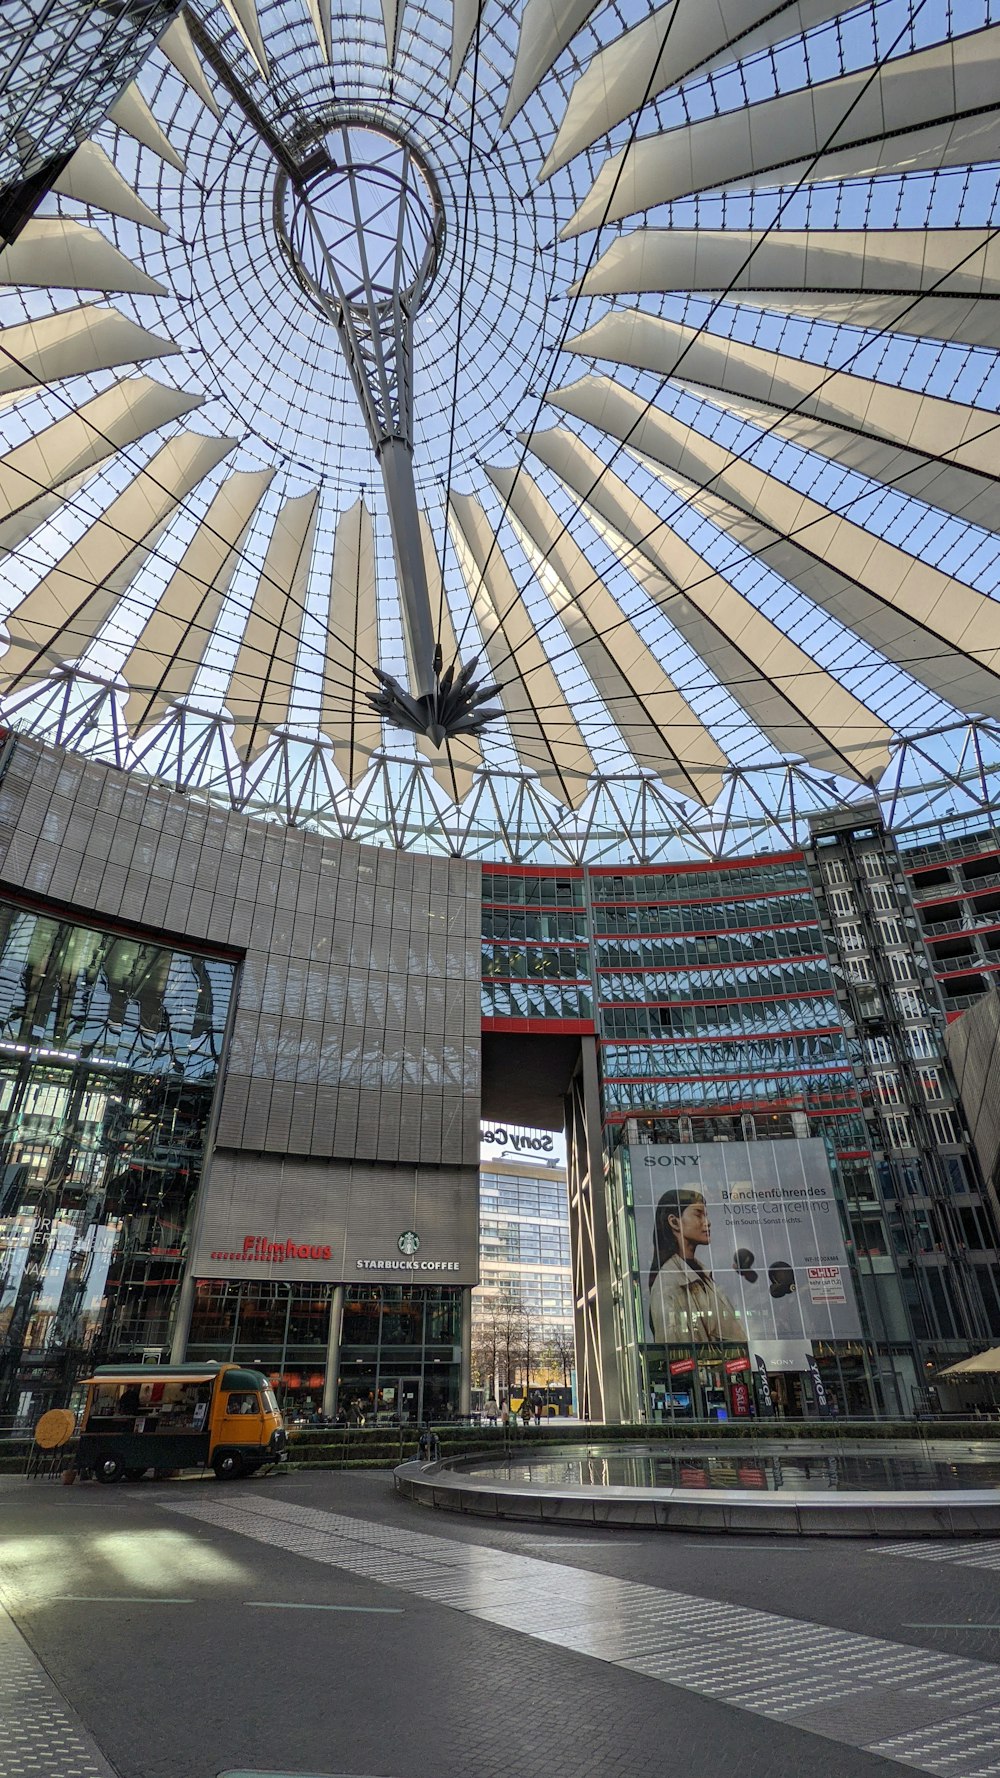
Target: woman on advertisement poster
[685,1305]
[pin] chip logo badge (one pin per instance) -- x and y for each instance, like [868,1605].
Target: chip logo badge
[408,1243]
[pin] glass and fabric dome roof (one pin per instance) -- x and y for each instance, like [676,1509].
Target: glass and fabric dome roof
[690,313]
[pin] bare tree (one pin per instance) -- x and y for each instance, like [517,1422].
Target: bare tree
[510,1336]
[484,1355]
[561,1353]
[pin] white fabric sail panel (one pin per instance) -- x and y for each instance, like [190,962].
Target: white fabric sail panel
[465,18]
[163,664]
[795,262]
[799,706]
[454,764]
[655,720]
[61,616]
[131,113]
[91,178]
[55,253]
[73,343]
[865,279]
[953,319]
[914,101]
[180,52]
[658,52]
[968,496]
[955,615]
[547,26]
[319,13]
[352,646]
[886,626]
[260,686]
[923,619]
[546,735]
[243,14]
[392,19]
[36,476]
[963,436]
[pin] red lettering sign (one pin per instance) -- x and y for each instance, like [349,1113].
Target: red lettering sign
[739,1395]
[681,1367]
[735,1365]
[259,1251]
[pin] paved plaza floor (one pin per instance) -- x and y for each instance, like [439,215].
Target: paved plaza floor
[317,1624]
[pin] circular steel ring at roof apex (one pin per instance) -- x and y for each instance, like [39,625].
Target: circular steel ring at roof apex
[368,207]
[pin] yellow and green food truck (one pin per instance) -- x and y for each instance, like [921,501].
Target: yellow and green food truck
[182,1416]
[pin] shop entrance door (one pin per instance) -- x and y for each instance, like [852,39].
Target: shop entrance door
[410,1400]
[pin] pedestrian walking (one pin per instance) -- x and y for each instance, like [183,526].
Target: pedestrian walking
[491,1410]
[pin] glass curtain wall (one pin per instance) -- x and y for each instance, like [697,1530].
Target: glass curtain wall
[110,1049]
[400,1344]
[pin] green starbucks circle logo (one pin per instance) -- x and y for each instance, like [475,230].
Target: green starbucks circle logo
[408,1243]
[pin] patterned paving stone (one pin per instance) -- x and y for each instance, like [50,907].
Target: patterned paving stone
[40,1737]
[916,1707]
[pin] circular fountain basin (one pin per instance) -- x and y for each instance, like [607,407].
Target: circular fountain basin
[834,1488]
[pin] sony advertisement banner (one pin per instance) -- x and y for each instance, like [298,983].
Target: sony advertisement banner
[741,1243]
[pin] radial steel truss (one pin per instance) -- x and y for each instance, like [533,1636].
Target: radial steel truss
[946,774]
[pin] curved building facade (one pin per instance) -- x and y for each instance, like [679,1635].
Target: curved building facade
[241,1090]
[242,1069]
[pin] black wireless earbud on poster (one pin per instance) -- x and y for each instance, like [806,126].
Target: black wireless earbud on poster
[781,1278]
[743,1261]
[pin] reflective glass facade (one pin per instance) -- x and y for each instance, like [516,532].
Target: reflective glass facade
[62,66]
[399,1351]
[722,977]
[524,1248]
[110,1050]
[536,953]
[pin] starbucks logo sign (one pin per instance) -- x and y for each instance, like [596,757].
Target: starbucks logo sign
[408,1243]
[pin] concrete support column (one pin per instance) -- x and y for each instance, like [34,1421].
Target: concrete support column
[465,1376]
[328,1405]
[183,1309]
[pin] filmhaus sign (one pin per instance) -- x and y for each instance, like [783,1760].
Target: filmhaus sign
[259,1250]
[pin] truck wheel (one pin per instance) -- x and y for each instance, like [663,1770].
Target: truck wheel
[109,1469]
[228,1466]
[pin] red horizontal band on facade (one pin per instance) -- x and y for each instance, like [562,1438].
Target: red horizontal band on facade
[742,963]
[614,938]
[652,1113]
[522,981]
[540,1027]
[981,930]
[973,967]
[960,892]
[947,863]
[842,1070]
[552,944]
[686,870]
[733,1000]
[569,872]
[728,1037]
